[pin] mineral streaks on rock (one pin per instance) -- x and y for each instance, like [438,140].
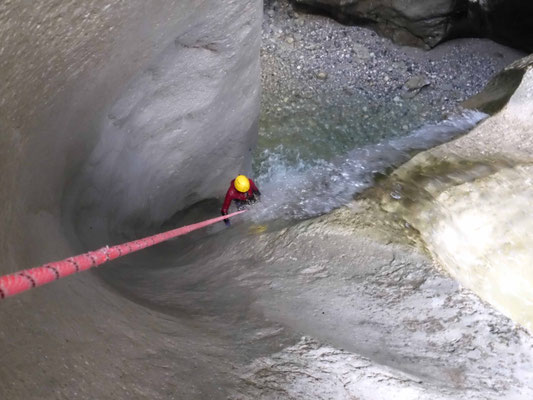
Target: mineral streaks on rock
[393,324]
[471,201]
[309,370]
[427,23]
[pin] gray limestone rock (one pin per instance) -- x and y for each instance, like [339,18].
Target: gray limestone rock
[360,52]
[500,88]
[321,75]
[417,82]
[122,110]
[470,199]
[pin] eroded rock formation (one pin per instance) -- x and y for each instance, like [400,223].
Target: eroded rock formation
[427,23]
[471,201]
[140,96]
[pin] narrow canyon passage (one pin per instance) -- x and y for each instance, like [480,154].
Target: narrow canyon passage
[150,112]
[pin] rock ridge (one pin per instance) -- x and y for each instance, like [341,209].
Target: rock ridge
[428,23]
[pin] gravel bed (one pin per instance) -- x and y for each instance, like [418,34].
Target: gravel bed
[328,88]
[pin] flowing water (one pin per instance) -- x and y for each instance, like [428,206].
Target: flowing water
[297,187]
[278,274]
[293,188]
[183,319]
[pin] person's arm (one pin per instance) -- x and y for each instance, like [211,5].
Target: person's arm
[254,188]
[225,206]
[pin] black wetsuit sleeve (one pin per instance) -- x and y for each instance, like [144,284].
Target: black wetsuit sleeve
[255,189]
[226,221]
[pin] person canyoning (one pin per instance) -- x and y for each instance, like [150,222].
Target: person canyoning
[243,190]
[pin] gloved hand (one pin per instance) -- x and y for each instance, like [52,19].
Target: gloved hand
[226,221]
[254,199]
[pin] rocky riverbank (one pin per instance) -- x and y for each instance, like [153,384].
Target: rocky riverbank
[324,81]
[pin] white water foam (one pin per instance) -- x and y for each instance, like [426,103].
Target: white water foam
[301,191]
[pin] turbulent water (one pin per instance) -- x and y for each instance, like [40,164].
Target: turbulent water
[300,187]
[272,277]
[293,189]
[257,287]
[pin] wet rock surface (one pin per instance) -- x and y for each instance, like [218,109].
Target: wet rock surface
[500,88]
[469,199]
[197,102]
[378,316]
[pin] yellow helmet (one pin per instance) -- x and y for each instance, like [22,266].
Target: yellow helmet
[242,184]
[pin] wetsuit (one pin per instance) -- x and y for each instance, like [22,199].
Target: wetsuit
[240,198]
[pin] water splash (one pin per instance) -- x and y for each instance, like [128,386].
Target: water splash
[300,189]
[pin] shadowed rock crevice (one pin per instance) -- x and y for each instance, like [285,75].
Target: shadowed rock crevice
[428,23]
[500,88]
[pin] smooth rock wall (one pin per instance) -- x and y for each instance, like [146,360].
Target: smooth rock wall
[64,66]
[68,70]
[183,128]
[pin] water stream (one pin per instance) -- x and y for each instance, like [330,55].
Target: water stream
[258,286]
[294,189]
[297,187]
[277,274]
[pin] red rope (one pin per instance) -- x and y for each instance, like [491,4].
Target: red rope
[21,281]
